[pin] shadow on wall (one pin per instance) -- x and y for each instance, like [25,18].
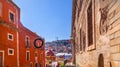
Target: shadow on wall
[101,61]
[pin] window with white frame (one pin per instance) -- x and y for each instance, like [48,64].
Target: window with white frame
[27,55]
[10,51]
[27,41]
[36,64]
[10,36]
[11,16]
[31,64]
[0,9]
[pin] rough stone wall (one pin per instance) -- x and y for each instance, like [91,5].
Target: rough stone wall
[105,50]
[114,33]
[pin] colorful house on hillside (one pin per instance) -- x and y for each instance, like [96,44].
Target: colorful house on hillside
[50,56]
[16,41]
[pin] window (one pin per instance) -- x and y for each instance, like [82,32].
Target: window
[90,25]
[11,16]
[27,55]
[36,54]
[30,64]
[41,65]
[36,64]
[84,40]
[80,40]
[0,9]
[27,40]
[40,56]
[10,51]
[10,36]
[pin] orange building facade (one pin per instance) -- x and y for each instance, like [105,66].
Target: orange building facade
[16,41]
[29,55]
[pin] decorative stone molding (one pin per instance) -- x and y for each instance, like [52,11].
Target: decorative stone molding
[103,22]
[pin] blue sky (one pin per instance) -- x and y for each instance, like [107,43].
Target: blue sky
[48,18]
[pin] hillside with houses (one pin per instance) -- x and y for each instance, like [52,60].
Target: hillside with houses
[60,46]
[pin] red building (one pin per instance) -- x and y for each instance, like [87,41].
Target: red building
[16,41]
[29,55]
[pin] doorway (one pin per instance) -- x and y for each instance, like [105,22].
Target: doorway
[1,59]
[101,61]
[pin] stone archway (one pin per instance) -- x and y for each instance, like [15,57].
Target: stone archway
[101,61]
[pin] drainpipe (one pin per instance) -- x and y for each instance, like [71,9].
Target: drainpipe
[17,39]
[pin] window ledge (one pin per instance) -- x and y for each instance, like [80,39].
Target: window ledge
[92,47]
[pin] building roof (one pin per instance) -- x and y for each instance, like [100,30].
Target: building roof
[11,1]
[60,54]
[50,53]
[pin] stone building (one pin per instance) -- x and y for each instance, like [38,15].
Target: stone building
[96,33]
[16,41]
